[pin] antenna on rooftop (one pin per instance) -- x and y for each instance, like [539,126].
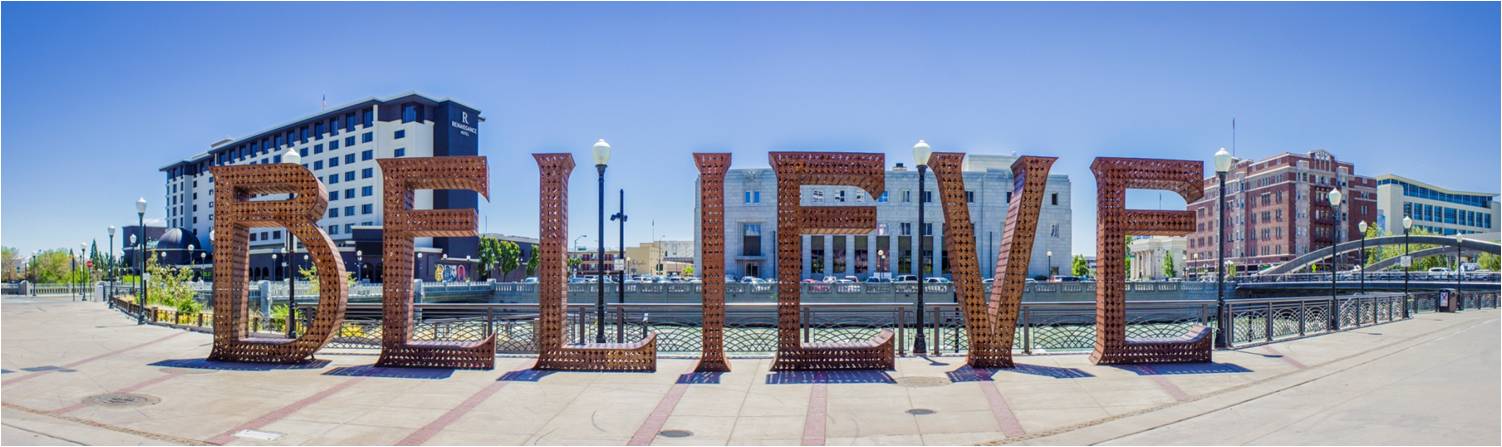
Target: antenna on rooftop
[1233,136]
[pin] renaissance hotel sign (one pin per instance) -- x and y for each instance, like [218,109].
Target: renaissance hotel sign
[990,320]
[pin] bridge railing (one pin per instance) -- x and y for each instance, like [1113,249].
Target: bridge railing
[1259,321]
[1349,276]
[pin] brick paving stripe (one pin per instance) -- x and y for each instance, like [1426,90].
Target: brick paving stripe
[278,414]
[149,382]
[1005,419]
[659,416]
[433,428]
[818,415]
[87,360]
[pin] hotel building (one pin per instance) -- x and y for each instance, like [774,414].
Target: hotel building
[893,248]
[340,146]
[1276,209]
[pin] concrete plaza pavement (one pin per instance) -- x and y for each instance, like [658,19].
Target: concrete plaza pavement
[1430,380]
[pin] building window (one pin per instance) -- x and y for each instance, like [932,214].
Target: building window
[818,196]
[303,152]
[334,162]
[367,137]
[349,122]
[1053,199]
[366,191]
[409,114]
[907,196]
[350,158]
[882,198]
[365,209]
[969,196]
[349,176]
[318,164]
[368,154]
[333,212]
[333,144]
[367,118]
[906,229]
[349,141]
[399,135]
[399,152]
[333,195]
[839,196]
[333,179]
[751,240]
[367,173]
[350,193]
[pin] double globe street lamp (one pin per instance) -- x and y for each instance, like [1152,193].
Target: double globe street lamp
[141,257]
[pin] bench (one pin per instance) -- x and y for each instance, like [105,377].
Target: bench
[876,353]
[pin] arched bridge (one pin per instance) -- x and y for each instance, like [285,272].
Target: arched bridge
[1303,262]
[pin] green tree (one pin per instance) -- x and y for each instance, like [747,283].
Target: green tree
[1490,262]
[532,263]
[10,261]
[1169,270]
[510,257]
[170,288]
[490,255]
[573,263]
[688,270]
[1080,267]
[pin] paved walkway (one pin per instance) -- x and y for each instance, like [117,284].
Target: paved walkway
[1387,384]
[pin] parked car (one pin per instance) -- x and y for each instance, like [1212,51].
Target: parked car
[906,279]
[750,280]
[936,280]
[1065,278]
[1440,272]
[809,281]
[829,280]
[529,280]
[849,279]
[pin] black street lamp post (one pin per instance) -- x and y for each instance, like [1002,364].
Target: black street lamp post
[921,152]
[291,157]
[72,275]
[109,299]
[1362,226]
[620,286]
[1223,161]
[1334,197]
[602,158]
[1407,263]
[141,256]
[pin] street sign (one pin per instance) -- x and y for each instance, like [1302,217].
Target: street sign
[1407,261]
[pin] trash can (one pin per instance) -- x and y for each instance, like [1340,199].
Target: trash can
[1449,301]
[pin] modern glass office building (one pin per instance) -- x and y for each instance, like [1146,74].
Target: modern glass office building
[1435,209]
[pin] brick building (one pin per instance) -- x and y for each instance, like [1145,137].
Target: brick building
[1277,210]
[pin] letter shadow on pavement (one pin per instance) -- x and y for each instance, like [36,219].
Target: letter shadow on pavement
[813,377]
[391,373]
[238,366]
[1175,369]
[968,374]
[525,375]
[699,378]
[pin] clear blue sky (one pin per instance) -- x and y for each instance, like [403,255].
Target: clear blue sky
[97,97]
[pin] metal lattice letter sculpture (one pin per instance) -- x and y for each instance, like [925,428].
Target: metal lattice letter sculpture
[403,176]
[712,169]
[992,328]
[1113,176]
[552,287]
[795,169]
[299,214]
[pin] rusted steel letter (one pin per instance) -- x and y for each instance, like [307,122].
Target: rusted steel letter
[552,287]
[235,185]
[795,169]
[401,177]
[992,328]
[1113,176]
[712,169]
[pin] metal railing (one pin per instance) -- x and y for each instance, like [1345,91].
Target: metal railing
[1266,320]
[751,328]
[1385,275]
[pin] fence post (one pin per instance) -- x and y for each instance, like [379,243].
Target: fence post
[808,318]
[1269,322]
[901,330]
[1303,316]
[1027,331]
[489,320]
